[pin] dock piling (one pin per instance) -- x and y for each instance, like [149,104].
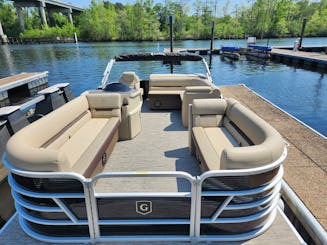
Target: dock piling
[170,22]
[211,43]
[304,22]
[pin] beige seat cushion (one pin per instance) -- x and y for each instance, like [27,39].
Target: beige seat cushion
[131,79]
[82,147]
[211,142]
[197,92]
[67,132]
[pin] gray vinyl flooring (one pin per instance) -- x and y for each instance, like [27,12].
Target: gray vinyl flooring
[162,145]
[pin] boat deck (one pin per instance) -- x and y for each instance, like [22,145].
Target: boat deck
[281,232]
[306,163]
[161,146]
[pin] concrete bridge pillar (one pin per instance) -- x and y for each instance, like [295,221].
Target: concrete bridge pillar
[3,37]
[51,18]
[42,13]
[70,16]
[20,17]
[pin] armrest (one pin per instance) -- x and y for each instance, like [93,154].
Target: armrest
[253,156]
[195,89]
[245,157]
[36,159]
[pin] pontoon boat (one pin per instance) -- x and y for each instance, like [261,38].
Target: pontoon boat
[184,164]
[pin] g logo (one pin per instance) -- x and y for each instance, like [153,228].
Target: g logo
[144,207]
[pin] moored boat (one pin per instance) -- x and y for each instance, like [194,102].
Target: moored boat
[230,53]
[259,52]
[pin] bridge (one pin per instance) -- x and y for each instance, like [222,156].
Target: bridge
[50,6]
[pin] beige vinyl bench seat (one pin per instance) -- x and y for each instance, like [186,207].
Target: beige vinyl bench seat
[87,145]
[78,137]
[212,141]
[226,135]
[166,90]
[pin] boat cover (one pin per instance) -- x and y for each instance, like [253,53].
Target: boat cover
[159,57]
[230,49]
[262,48]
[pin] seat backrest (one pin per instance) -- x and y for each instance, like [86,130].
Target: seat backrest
[245,120]
[104,105]
[131,79]
[177,80]
[196,92]
[208,112]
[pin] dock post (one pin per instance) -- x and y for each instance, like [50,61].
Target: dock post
[75,37]
[211,43]
[170,21]
[302,31]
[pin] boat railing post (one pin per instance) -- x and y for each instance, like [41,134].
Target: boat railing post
[92,211]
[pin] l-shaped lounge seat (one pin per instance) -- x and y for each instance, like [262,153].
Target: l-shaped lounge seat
[74,138]
[177,91]
[225,135]
[79,136]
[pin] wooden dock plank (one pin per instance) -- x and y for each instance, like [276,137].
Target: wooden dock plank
[16,77]
[306,163]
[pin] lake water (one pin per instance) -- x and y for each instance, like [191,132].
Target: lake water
[300,92]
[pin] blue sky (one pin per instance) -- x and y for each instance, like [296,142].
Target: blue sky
[220,3]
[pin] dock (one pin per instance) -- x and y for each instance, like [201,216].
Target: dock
[18,88]
[306,163]
[312,57]
[200,51]
[301,58]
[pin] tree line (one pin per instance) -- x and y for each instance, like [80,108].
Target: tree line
[144,20]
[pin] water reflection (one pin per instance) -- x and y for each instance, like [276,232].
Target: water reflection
[7,59]
[318,90]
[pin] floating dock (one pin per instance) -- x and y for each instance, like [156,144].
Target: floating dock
[18,88]
[312,58]
[200,51]
[306,163]
[316,60]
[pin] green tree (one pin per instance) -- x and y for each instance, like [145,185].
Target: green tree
[98,22]
[9,19]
